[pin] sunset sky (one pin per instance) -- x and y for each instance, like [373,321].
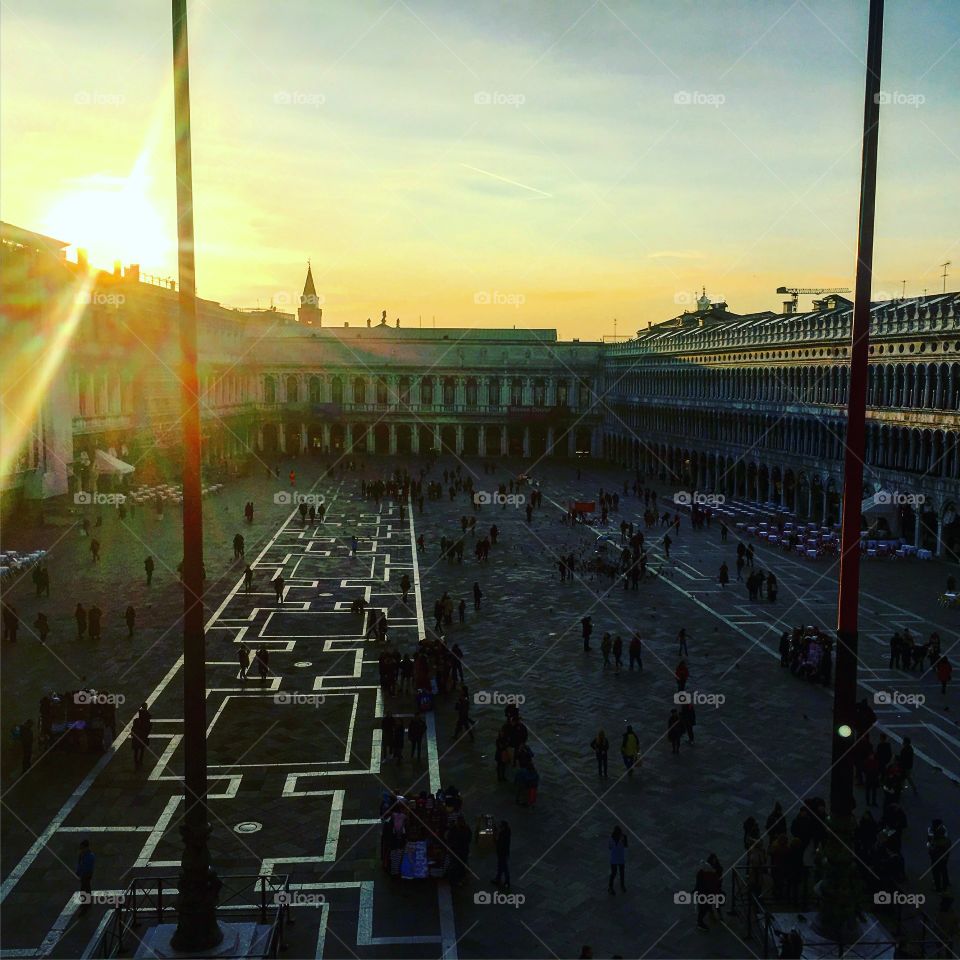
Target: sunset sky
[575,161]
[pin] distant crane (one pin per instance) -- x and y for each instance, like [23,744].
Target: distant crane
[790,306]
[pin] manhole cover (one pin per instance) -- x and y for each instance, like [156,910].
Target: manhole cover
[303,663]
[248,826]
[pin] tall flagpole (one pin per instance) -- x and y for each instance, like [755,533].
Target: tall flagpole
[841,888]
[197,926]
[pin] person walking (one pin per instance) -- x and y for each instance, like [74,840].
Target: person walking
[130,616]
[944,673]
[462,610]
[724,576]
[477,595]
[86,861]
[140,735]
[243,660]
[501,840]
[247,579]
[80,615]
[682,674]
[463,717]
[278,588]
[617,653]
[600,746]
[42,626]
[95,550]
[682,643]
[617,847]
[404,587]
[629,749]
[906,763]
[148,567]
[688,719]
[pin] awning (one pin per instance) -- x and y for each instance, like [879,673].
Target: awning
[104,463]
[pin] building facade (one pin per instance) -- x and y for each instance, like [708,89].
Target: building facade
[754,406]
[749,406]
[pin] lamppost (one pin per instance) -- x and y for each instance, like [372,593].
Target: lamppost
[197,926]
[840,887]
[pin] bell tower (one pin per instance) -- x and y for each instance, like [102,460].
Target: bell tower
[310,313]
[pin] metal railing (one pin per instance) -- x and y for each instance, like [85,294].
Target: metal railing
[153,900]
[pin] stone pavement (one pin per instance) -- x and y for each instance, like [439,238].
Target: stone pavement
[306,779]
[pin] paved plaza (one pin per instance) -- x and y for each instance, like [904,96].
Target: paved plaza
[296,786]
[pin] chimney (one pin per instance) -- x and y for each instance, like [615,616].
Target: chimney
[398,323]
[345,323]
[133,272]
[368,323]
[117,269]
[83,261]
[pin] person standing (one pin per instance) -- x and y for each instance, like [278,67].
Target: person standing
[938,848]
[86,861]
[462,610]
[278,588]
[906,763]
[617,846]
[688,719]
[600,746]
[130,616]
[93,619]
[463,717]
[586,625]
[477,595]
[944,673]
[140,737]
[724,576]
[674,731]
[682,674]
[415,733]
[629,749]
[617,653]
[263,662]
[501,839]
[80,615]
[682,643]
[404,587]
[148,567]
[247,579]
[95,550]
[636,652]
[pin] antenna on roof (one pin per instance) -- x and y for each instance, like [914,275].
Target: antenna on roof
[945,265]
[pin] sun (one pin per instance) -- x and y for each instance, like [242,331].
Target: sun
[112,218]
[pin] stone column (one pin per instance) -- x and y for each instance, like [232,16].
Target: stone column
[826,503]
[348,438]
[526,437]
[527,394]
[326,437]
[459,433]
[437,436]
[282,436]
[550,441]
[371,439]
[504,442]
[303,438]
[482,440]
[572,442]
[938,551]
[393,436]
[460,392]
[916,528]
